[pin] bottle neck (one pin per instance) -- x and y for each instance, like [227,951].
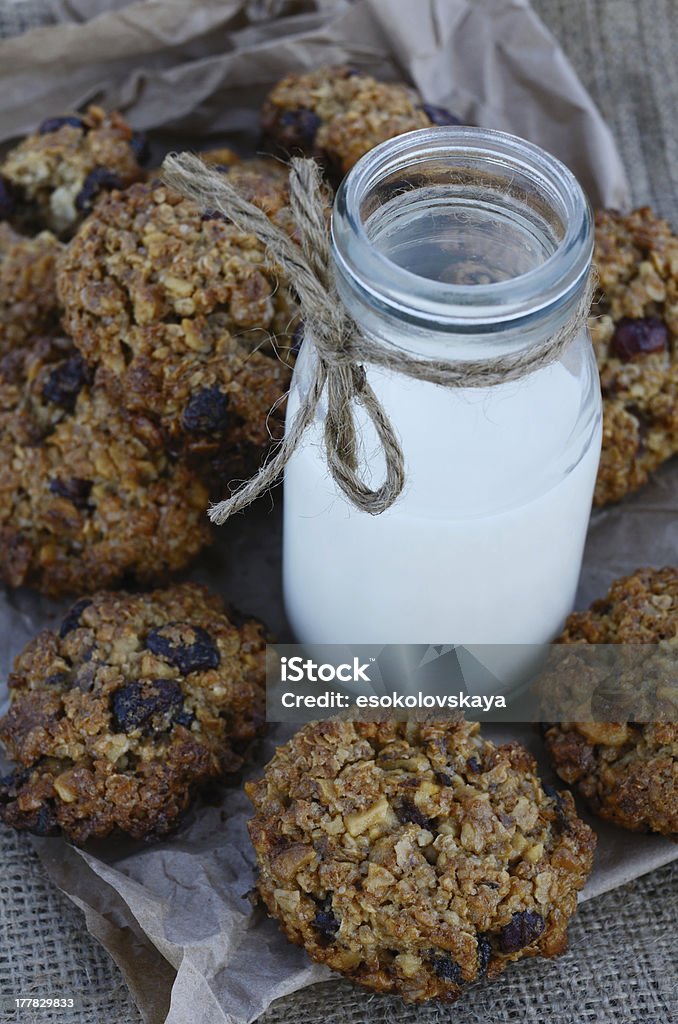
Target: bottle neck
[461,243]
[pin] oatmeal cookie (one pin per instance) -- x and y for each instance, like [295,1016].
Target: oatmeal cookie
[628,771]
[262,180]
[28,300]
[337,114]
[635,334]
[88,494]
[415,858]
[52,178]
[118,717]
[173,309]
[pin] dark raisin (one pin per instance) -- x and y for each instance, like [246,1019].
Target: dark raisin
[447,969]
[644,424]
[98,179]
[10,784]
[408,811]
[636,336]
[474,765]
[443,778]
[75,490]
[325,920]
[140,147]
[151,705]
[484,953]
[58,679]
[300,125]
[185,718]
[561,813]
[44,823]
[213,215]
[53,124]
[7,205]
[65,382]
[326,924]
[439,115]
[644,421]
[71,619]
[524,927]
[207,412]
[188,648]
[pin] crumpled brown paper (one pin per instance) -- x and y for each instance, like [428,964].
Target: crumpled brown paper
[174,915]
[203,68]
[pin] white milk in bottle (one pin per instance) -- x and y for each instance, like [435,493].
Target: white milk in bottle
[463,244]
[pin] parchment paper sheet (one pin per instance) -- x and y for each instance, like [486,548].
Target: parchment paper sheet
[173,915]
[202,68]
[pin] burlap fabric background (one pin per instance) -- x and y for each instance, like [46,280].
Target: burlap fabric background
[621,966]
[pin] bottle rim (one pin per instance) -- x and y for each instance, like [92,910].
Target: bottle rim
[554,285]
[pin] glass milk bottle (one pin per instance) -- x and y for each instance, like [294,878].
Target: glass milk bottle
[465,244]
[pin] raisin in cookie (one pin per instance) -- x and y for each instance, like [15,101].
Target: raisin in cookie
[415,858]
[121,715]
[337,114]
[628,771]
[28,300]
[172,307]
[635,335]
[88,494]
[52,178]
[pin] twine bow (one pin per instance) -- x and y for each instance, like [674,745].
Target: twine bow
[341,348]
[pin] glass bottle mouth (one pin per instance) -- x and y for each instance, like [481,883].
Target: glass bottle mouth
[461,229]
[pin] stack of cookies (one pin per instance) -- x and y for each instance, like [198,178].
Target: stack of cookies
[136,364]
[139,370]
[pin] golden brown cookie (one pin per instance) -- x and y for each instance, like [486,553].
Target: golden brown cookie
[52,178]
[173,309]
[415,858]
[88,494]
[635,335]
[337,114]
[118,717]
[628,771]
[28,300]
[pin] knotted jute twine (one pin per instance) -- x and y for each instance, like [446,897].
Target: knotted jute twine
[341,348]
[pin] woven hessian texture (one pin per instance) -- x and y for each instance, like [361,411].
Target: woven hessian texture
[623,946]
[45,949]
[17,16]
